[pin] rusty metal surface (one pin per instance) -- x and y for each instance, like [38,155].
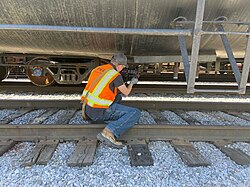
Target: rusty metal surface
[146,104]
[144,14]
[153,132]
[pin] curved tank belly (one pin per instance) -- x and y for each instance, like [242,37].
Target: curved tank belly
[144,14]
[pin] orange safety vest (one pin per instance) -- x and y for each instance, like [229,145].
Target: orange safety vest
[99,94]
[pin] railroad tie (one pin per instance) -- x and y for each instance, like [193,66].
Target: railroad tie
[66,117]
[187,117]
[239,115]
[158,117]
[139,153]
[83,154]
[189,155]
[234,154]
[6,145]
[41,154]
[44,116]
[11,117]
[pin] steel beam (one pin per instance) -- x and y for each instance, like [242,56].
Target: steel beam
[230,54]
[246,66]
[211,57]
[127,31]
[214,22]
[184,55]
[196,45]
[224,33]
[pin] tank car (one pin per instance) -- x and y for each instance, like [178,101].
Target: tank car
[63,40]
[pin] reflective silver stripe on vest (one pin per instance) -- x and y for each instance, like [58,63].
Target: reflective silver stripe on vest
[103,82]
[91,100]
[84,92]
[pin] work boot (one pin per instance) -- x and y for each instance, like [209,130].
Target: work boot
[108,139]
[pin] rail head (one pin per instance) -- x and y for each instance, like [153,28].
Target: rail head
[151,132]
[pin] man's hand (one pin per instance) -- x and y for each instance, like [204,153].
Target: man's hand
[134,80]
[126,90]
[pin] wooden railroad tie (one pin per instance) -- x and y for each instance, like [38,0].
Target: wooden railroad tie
[158,117]
[84,153]
[189,155]
[138,152]
[44,116]
[239,115]
[42,153]
[5,146]
[234,154]
[187,117]
[11,117]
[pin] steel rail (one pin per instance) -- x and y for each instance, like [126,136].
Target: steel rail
[139,103]
[127,31]
[151,132]
[140,88]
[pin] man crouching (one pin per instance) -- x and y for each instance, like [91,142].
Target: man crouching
[100,101]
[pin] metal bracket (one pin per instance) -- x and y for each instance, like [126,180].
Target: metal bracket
[183,46]
[246,66]
[184,55]
[229,51]
[240,79]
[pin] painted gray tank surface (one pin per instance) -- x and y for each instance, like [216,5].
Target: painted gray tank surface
[144,14]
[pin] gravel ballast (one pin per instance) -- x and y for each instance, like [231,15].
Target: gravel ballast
[200,118]
[111,167]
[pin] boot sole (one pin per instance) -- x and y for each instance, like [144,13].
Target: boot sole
[107,142]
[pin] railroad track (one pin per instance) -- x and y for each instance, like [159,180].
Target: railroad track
[143,87]
[27,124]
[153,103]
[48,136]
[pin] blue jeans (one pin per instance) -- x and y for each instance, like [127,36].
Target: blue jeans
[120,118]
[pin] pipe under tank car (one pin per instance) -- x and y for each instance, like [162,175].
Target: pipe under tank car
[63,40]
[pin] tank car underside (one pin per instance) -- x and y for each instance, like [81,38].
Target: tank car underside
[63,40]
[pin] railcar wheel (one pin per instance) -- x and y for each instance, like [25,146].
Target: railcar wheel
[3,72]
[38,74]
